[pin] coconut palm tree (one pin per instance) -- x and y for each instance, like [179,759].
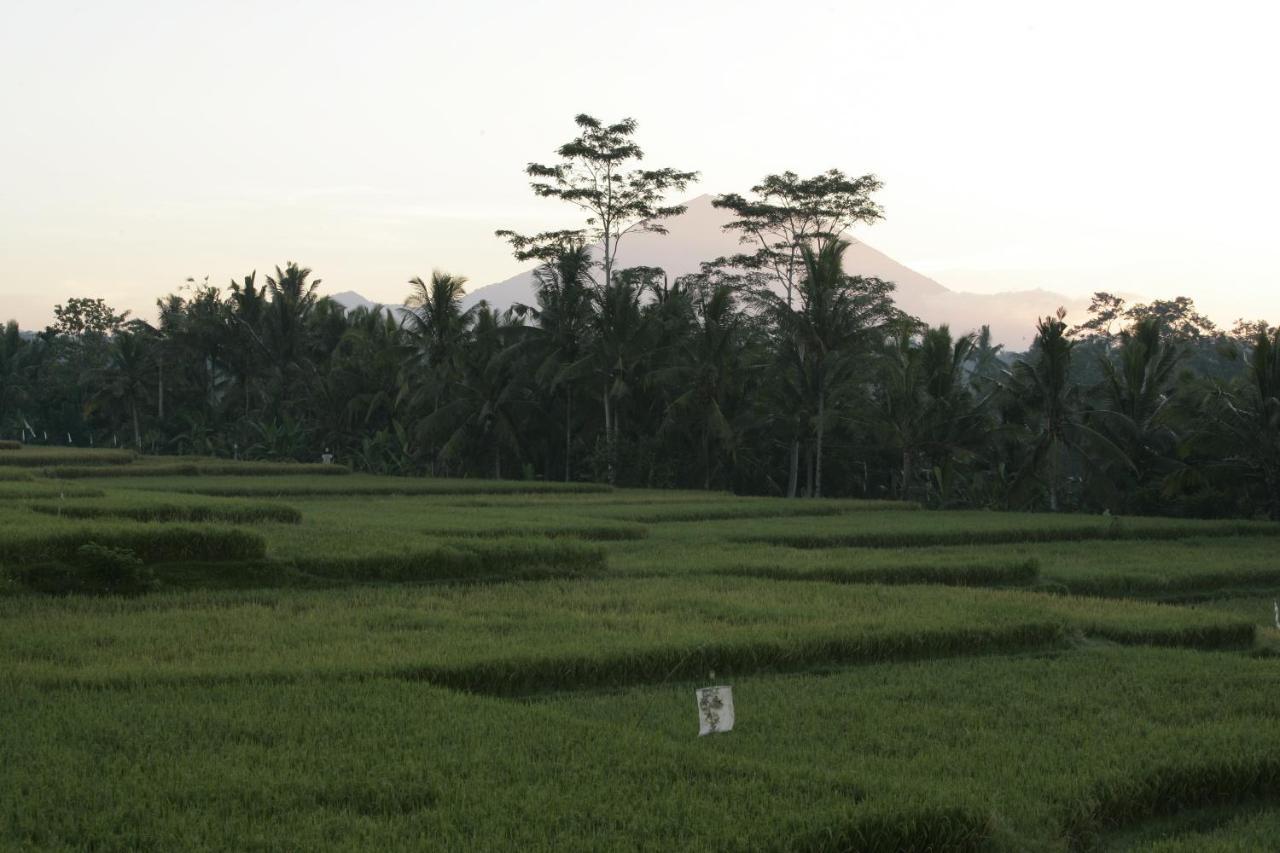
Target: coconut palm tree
[708,373]
[618,349]
[831,330]
[1245,421]
[1058,422]
[929,411]
[125,378]
[557,341]
[482,414]
[436,328]
[1138,382]
[293,297]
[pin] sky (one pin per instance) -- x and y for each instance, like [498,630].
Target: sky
[1123,146]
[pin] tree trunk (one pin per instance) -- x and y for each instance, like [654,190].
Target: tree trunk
[793,476]
[1272,483]
[160,396]
[497,461]
[706,460]
[808,471]
[817,461]
[608,436]
[137,433]
[568,433]
[1053,478]
[908,473]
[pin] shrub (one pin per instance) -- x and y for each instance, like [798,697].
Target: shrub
[6,444]
[151,544]
[994,573]
[232,513]
[466,559]
[195,469]
[94,570]
[32,457]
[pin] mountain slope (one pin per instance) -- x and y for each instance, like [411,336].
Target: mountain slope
[698,236]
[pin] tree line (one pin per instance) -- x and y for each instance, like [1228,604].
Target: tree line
[771,371]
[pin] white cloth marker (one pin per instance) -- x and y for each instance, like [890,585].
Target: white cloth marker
[715,710]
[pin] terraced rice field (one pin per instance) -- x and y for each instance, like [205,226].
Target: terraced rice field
[198,655]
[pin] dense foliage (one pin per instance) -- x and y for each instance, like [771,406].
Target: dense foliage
[770,372]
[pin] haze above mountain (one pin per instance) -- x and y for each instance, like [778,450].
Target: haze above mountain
[698,235]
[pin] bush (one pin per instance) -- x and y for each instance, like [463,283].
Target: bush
[466,559]
[152,544]
[94,570]
[6,444]
[40,457]
[232,513]
[195,469]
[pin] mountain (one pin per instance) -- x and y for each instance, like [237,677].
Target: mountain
[351,300]
[698,235]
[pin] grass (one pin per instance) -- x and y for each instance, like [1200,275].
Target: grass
[907,530]
[1212,830]
[43,539]
[370,662]
[1006,753]
[356,485]
[40,457]
[198,469]
[1054,749]
[531,636]
[403,766]
[171,508]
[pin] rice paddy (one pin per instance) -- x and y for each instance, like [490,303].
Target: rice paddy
[357,662]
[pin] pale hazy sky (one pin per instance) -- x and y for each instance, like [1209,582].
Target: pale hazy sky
[1074,146]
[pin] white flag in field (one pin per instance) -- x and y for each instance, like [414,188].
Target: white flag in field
[715,710]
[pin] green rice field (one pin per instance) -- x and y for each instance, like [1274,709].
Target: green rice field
[198,654]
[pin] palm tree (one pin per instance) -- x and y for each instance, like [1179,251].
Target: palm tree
[837,318]
[293,296]
[13,377]
[558,340]
[1246,420]
[247,306]
[1137,384]
[483,412]
[434,317]
[927,406]
[125,377]
[709,368]
[436,327]
[1059,423]
[618,348]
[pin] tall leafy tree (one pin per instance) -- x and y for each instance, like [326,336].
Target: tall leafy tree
[597,174]
[786,213]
